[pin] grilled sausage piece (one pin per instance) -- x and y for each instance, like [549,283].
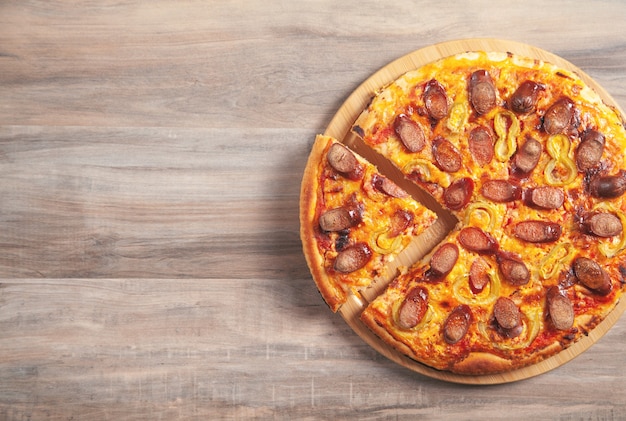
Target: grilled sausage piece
[560,309]
[447,156]
[342,160]
[435,100]
[478,275]
[538,231]
[512,268]
[413,308]
[604,224]
[475,239]
[456,325]
[410,133]
[336,219]
[481,145]
[524,99]
[458,194]
[608,186]
[506,313]
[527,157]
[545,197]
[559,116]
[501,191]
[590,274]
[482,92]
[353,258]
[443,260]
[589,151]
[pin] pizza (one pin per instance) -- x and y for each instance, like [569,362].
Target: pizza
[530,162]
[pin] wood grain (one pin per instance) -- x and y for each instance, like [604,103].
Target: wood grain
[150,160]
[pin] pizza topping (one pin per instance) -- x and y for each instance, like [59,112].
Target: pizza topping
[353,258]
[560,309]
[443,260]
[342,160]
[506,313]
[545,197]
[590,149]
[590,274]
[527,158]
[478,275]
[513,270]
[524,99]
[603,224]
[559,116]
[477,240]
[507,128]
[561,169]
[435,100]
[456,325]
[481,145]
[447,156]
[413,308]
[458,194]
[338,219]
[482,92]
[400,220]
[538,231]
[501,191]
[385,185]
[608,186]
[410,133]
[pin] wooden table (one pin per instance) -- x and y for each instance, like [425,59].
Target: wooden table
[150,163]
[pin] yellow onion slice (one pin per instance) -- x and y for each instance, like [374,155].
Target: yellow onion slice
[462,292]
[421,166]
[381,243]
[479,207]
[610,247]
[458,117]
[506,144]
[561,169]
[558,258]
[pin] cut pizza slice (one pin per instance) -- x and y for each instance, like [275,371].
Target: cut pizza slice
[355,221]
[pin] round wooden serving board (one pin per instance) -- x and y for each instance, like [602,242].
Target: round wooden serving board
[339,128]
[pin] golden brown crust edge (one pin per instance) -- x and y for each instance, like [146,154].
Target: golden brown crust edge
[309,195]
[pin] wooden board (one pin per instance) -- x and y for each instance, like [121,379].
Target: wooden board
[339,128]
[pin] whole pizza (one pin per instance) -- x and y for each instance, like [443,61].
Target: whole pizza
[530,162]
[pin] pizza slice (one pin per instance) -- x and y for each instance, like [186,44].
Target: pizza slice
[355,220]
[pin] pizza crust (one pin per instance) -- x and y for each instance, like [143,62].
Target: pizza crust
[332,294]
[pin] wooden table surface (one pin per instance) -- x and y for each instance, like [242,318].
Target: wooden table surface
[150,163]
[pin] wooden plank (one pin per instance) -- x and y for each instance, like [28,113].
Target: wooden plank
[150,202]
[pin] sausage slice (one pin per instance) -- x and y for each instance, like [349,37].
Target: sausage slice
[458,194]
[475,239]
[501,191]
[410,133]
[527,157]
[413,308]
[524,99]
[537,231]
[506,313]
[590,274]
[559,116]
[560,309]
[608,186]
[353,258]
[478,275]
[590,150]
[545,197]
[481,145]
[447,156]
[435,100]
[604,224]
[443,260]
[342,160]
[456,325]
[482,92]
[513,269]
